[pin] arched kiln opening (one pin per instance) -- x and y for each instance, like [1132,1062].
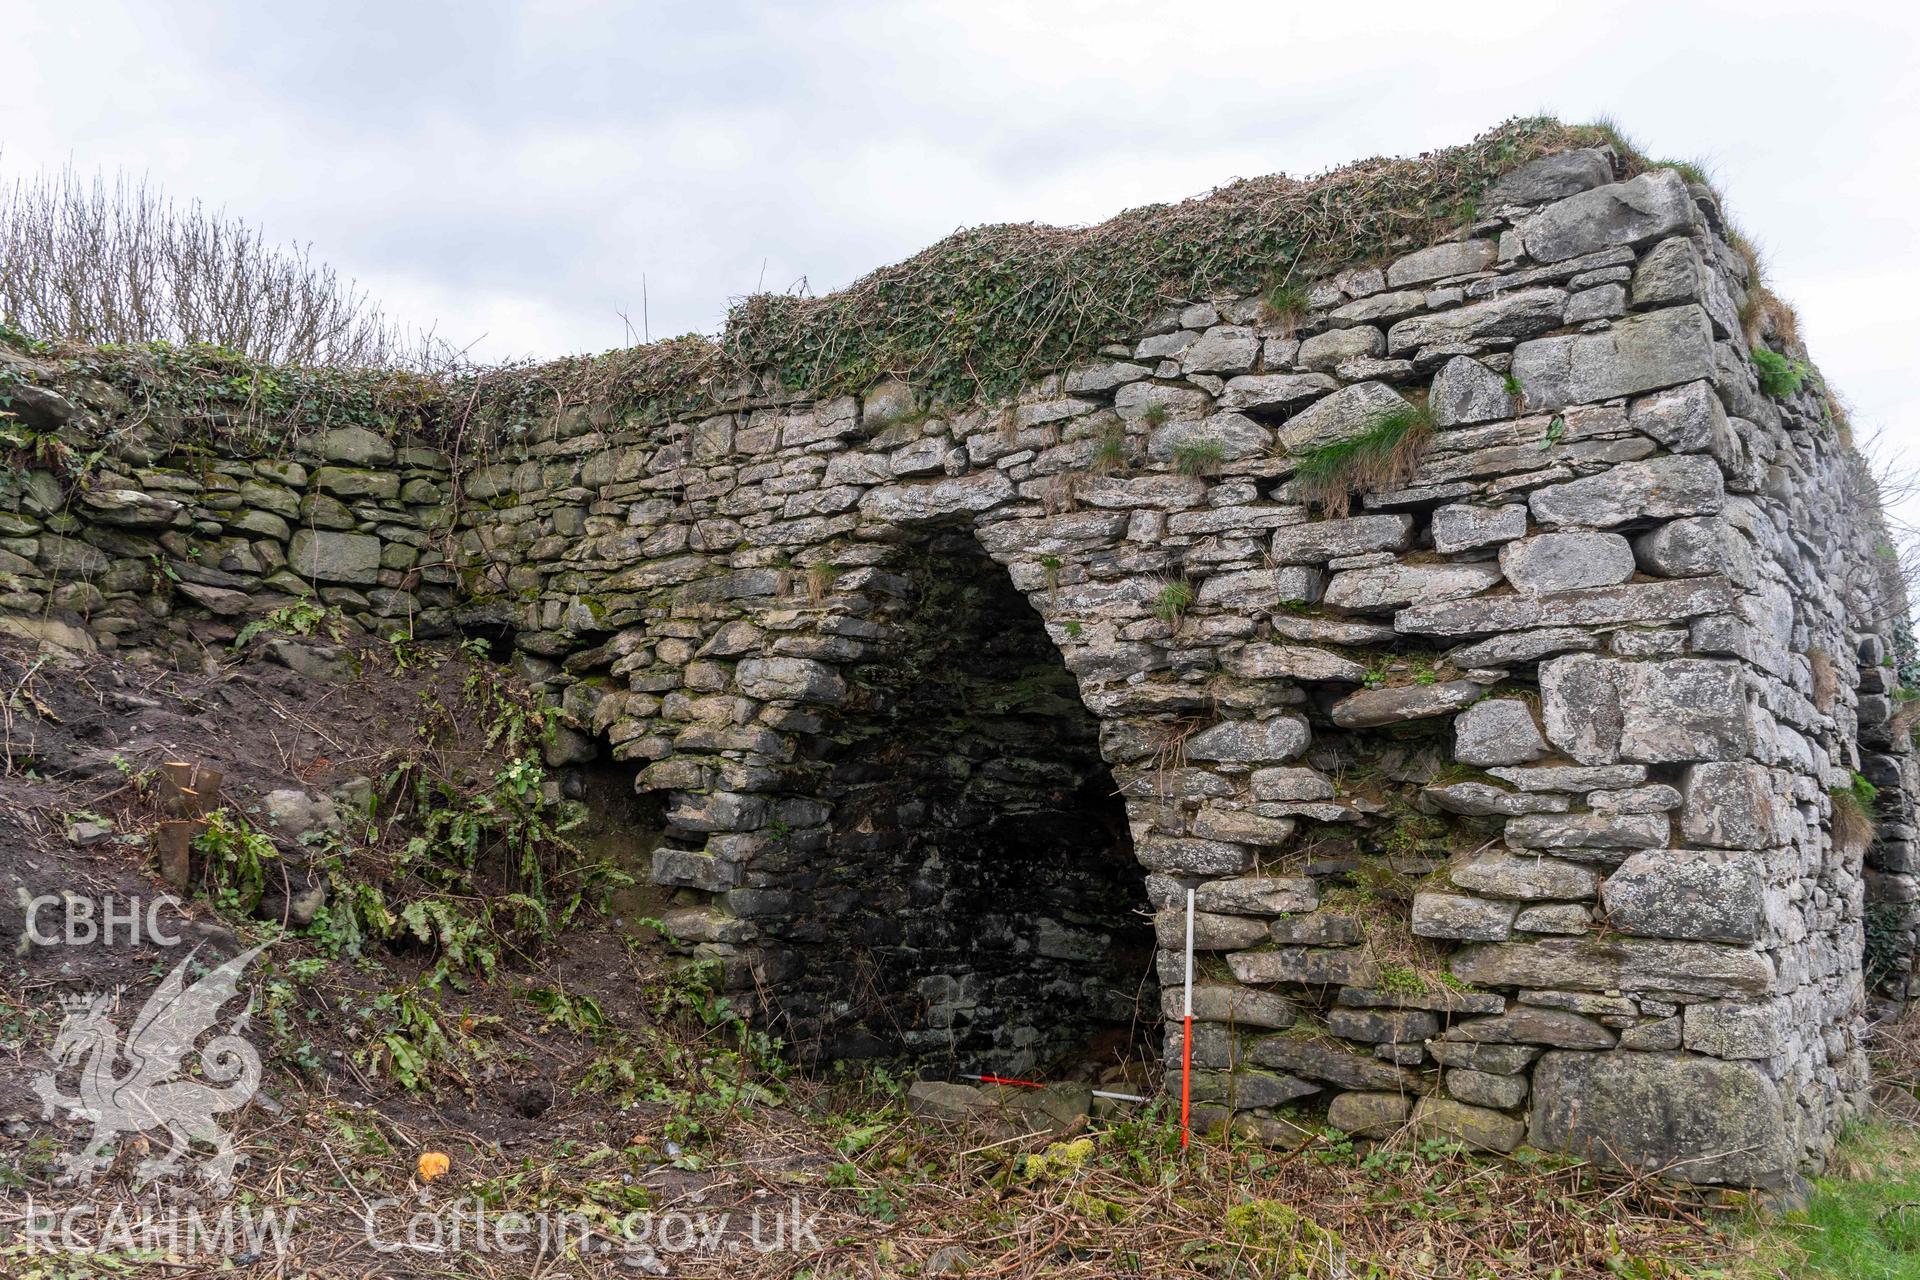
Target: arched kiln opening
[980,889]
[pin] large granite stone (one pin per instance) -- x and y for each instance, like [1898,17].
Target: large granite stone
[1320,1061]
[1435,262]
[1258,895]
[1465,392]
[1292,662]
[1481,799]
[1553,177]
[1273,740]
[1649,207]
[1275,390]
[1566,562]
[1501,875]
[1528,1024]
[1462,526]
[1390,586]
[1476,1127]
[1312,966]
[1501,319]
[1657,489]
[1324,540]
[1617,963]
[1662,602]
[903,503]
[1368,1113]
[328,556]
[1692,1118]
[1497,731]
[1373,707]
[1461,916]
[1640,353]
[1729,805]
[1226,1002]
[1709,895]
[796,679]
[1603,710]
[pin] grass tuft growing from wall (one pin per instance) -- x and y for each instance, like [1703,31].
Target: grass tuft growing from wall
[1382,457]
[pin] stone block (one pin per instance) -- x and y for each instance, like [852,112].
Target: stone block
[1528,1024]
[1258,895]
[1658,489]
[1502,875]
[1724,1029]
[1476,1127]
[1453,915]
[1369,1114]
[1484,1089]
[1649,207]
[1701,894]
[329,556]
[1324,540]
[1553,177]
[1273,740]
[1452,258]
[1602,710]
[1462,527]
[1393,586]
[1729,805]
[1692,1118]
[1502,319]
[1566,562]
[1497,731]
[1349,412]
[1370,708]
[1318,1060]
[1325,351]
[1313,966]
[1224,1002]
[1618,964]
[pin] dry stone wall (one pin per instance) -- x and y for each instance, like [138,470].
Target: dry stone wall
[1509,795]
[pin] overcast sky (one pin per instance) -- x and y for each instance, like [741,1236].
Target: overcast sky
[514,171]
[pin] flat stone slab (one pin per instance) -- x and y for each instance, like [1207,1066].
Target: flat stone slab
[1618,964]
[1665,602]
[1370,708]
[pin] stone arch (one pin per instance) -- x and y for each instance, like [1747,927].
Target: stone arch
[893,812]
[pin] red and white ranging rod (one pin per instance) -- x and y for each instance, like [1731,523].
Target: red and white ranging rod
[1186,1037]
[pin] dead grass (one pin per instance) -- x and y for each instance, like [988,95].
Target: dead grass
[892,1196]
[1853,823]
[1826,682]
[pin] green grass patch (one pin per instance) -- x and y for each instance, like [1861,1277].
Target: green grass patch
[1174,599]
[1283,304]
[1381,457]
[1199,457]
[1863,1221]
[1779,376]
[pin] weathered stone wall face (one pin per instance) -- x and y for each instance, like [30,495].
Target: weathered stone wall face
[349,518]
[1506,797]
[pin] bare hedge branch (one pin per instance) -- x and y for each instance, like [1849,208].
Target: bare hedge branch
[119,262]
